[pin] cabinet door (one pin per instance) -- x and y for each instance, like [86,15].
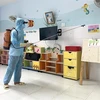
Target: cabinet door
[70,62]
[70,72]
[69,54]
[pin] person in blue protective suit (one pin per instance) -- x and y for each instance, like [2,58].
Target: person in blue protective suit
[15,54]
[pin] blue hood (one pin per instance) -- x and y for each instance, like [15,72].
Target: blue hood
[19,23]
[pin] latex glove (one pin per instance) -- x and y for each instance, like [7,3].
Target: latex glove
[25,44]
[29,44]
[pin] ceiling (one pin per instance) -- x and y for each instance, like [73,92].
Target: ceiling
[5,2]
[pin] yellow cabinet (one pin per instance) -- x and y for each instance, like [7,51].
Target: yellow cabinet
[69,54]
[70,72]
[72,61]
[35,65]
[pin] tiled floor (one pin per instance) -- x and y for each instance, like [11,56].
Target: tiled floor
[42,86]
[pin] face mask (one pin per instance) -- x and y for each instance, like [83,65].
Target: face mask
[23,26]
[30,23]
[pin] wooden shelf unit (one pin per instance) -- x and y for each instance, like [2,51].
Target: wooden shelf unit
[44,57]
[59,64]
[51,64]
[4,57]
[48,63]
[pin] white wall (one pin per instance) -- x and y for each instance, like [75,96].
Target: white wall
[72,38]
[36,9]
[11,9]
[0,16]
[0,13]
[1,39]
[0,28]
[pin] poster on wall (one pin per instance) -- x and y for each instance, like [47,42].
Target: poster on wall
[31,35]
[94,43]
[28,32]
[93,29]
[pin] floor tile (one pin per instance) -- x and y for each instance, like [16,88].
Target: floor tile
[28,98]
[43,86]
[58,86]
[2,90]
[94,96]
[28,88]
[45,94]
[12,95]
[66,97]
[80,91]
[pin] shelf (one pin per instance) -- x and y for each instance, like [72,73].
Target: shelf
[27,68]
[42,60]
[43,70]
[50,67]
[51,61]
[45,53]
[59,62]
[28,60]
[60,54]
[5,50]
[35,69]
[53,57]
[59,73]
[51,72]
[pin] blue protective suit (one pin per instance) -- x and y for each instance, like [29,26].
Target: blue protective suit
[17,38]
[15,55]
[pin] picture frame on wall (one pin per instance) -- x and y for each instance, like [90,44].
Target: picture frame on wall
[50,17]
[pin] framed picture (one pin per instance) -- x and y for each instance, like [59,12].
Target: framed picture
[50,17]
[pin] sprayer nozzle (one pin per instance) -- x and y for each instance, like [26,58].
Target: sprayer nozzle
[82,25]
[25,22]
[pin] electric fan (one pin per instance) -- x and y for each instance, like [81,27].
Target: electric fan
[97,3]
